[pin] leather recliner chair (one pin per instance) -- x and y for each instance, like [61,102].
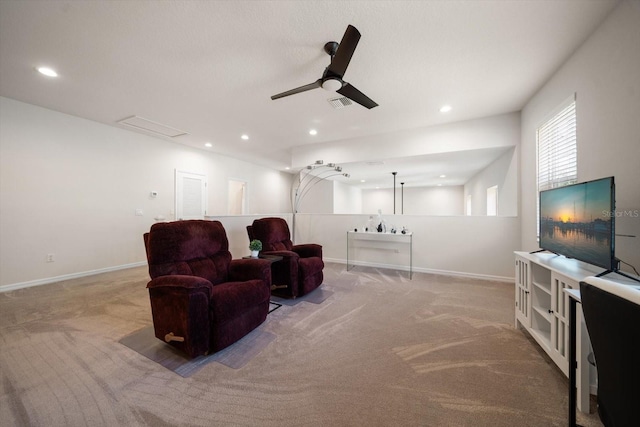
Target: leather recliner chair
[300,270]
[201,300]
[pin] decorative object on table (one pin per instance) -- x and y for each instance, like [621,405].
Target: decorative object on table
[305,180]
[404,230]
[255,246]
[382,226]
[300,270]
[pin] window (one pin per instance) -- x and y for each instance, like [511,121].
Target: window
[557,150]
[557,153]
[492,201]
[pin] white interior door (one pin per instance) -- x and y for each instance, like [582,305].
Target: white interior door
[191,195]
[237,203]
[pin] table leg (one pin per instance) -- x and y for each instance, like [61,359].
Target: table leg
[573,365]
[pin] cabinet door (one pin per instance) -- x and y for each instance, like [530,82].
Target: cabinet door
[560,320]
[523,297]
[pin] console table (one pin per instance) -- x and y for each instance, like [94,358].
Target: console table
[383,241]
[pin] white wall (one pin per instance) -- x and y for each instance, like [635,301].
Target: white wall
[604,73]
[460,245]
[503,172]
[488,132]
[346,198]
[446,200]
[317,197]
[70,187]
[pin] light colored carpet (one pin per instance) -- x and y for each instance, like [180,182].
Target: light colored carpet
[317,296]
[235,356]
[381,350]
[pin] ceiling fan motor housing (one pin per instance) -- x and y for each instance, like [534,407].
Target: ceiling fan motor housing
[331,48]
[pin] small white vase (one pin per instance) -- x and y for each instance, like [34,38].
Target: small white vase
[254,254]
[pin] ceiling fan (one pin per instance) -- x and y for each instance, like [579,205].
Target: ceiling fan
[332,77]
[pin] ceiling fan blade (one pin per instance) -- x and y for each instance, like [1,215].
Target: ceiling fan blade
[355,95]
[304,88]
[343,55]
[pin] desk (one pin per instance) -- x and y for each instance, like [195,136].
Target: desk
[574,298]
[389,241]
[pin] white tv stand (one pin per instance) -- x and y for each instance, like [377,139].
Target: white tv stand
[542,309]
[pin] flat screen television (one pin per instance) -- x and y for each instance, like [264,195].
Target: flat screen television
[578,221]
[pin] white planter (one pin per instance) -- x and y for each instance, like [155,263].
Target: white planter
[254,254]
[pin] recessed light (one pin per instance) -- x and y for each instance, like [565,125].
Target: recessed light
[287,168]
[313,132]
[362,180]
[208,144]
[445,108]
[47,71]
[439,185]
[443,176]
[245,136]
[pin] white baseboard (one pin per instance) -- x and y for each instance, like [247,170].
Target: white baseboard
[426,270]
[47,280]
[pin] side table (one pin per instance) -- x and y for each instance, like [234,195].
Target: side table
[272,259]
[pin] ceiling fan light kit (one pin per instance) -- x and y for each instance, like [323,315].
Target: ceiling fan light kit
[331,79]
[332,84]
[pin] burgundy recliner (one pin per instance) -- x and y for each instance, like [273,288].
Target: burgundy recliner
[301,267]
[201,300]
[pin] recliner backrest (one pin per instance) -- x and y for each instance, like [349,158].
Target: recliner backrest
[273,233]
[612,316]
[193,247]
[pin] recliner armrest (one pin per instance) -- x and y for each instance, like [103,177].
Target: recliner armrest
[180,306]
[241,270]
[286,255]
[308,250]
[182,281]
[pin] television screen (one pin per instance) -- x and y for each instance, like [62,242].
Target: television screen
[578,221]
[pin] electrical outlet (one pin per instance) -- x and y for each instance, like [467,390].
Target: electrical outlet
[51,258]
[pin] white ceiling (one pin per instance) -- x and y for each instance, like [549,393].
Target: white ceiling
[208,68]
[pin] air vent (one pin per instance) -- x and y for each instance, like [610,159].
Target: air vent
[339,102]
[150,126]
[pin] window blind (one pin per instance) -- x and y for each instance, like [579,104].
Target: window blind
[557,149]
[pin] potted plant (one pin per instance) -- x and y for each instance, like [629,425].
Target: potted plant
[255,246]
